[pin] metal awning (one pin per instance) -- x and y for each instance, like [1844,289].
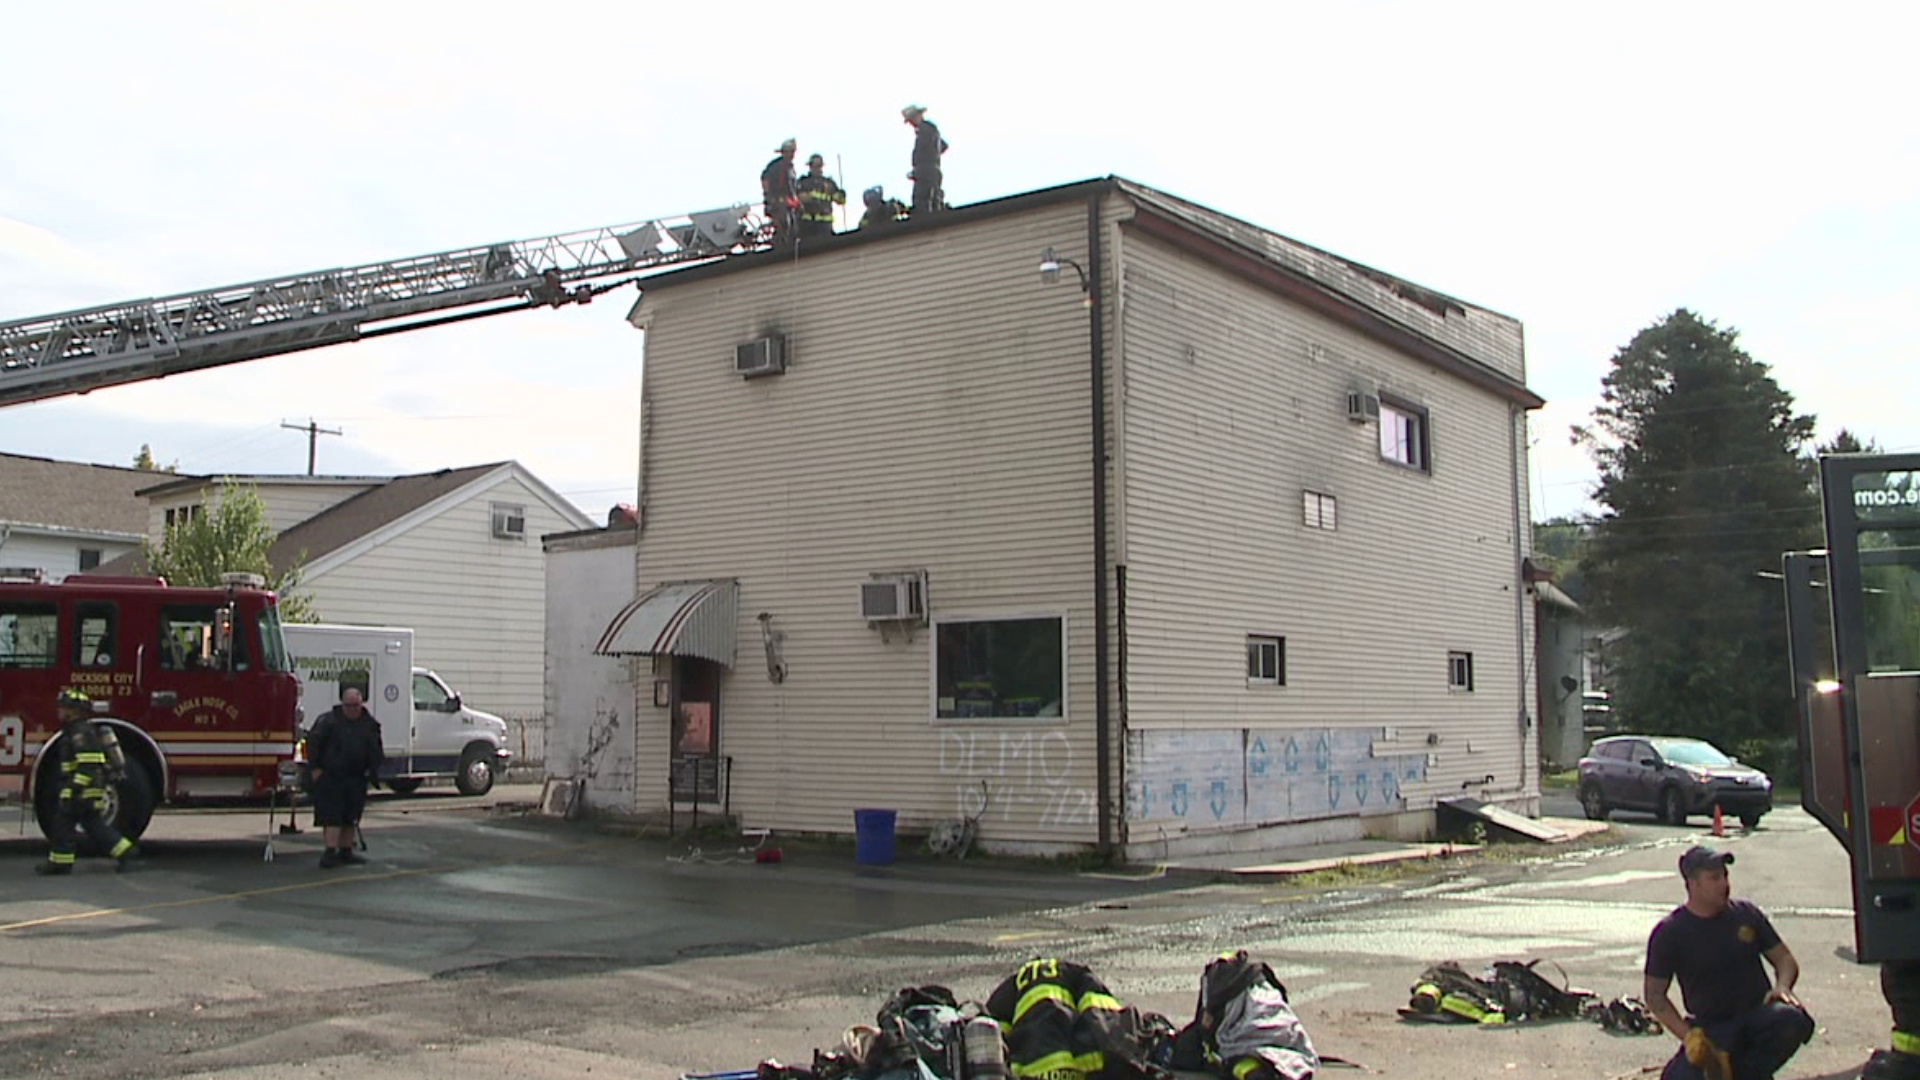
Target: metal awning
[681,618]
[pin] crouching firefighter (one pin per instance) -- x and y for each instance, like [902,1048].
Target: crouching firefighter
[89,758]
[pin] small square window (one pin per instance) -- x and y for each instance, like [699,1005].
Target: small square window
[1404,435]
[509,521]
[1266,660]
[1321,511]
[1460,671]
[89,558]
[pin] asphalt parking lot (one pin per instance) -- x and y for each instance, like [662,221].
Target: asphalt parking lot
[481,941]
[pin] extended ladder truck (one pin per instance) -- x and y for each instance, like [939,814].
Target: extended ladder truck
[1853,619]
[196,681]
[77,351]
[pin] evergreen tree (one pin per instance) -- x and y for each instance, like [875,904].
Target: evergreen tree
[1846,442]
[232,536]
[1704,486]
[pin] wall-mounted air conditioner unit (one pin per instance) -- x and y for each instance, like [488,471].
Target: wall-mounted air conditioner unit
[894,598]
[1363,406]
[767,356]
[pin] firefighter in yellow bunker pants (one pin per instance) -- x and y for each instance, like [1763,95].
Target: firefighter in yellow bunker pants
[88,754]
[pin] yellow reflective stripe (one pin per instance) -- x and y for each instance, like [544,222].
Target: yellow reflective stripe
[1905,1042]
[1043,992]
[91,757]
[125,845]
[60,858]
[1460,1006]
[1095,1000]
[1245,1065]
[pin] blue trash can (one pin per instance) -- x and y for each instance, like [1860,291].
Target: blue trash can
[873,837]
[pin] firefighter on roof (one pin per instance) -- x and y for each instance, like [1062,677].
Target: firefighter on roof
[928,147]
[781,198]
[818,196]
[89,759]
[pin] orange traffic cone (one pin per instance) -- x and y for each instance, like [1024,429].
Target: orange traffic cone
[1719,826]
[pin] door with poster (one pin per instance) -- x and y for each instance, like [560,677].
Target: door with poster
[695,754]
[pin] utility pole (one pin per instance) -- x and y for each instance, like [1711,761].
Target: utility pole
[314,431]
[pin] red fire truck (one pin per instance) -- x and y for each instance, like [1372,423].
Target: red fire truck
[195,681]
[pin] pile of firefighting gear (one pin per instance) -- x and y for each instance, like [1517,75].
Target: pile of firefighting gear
[1510,991]
[1055,1019]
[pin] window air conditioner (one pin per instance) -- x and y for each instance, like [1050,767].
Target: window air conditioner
[510,522]
[1362,406]
[894,598]
[767,356]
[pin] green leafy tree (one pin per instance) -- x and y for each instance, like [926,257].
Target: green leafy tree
[232,536]
[1704,485]
[1560,545]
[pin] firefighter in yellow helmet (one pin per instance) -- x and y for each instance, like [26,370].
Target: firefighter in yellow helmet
[89,759]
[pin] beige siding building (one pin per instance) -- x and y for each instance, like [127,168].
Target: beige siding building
[1296,482]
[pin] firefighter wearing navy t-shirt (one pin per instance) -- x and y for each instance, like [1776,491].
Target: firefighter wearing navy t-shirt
[89,758]
[1739,1023]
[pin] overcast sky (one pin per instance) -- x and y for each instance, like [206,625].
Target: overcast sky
[1586,169]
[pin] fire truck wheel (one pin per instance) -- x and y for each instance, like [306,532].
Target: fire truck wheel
[476,772]
[401,786]
[128,805]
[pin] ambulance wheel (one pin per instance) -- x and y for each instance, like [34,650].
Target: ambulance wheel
[402,785]
[476,772]
[127,806]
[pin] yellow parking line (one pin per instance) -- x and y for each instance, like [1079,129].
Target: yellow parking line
[77,916]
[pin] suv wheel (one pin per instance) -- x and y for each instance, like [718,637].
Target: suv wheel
[1672,810]
[1592,803]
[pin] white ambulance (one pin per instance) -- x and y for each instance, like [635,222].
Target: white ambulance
[427,731]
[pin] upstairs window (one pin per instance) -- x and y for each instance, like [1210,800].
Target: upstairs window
[1460,671]
[1322,511]
[1404,436]
[1266,660]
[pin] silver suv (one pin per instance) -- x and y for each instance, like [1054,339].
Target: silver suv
[1671,777]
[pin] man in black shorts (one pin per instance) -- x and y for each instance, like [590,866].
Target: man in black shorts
[1740,1024]
[344,753]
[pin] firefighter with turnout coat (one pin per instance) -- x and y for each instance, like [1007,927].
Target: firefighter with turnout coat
[345,754]
[89,758]
[818,196]
[929,194]
[781,198]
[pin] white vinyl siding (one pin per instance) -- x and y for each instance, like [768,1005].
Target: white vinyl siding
[934,414]
[55,555]
[477,606]
[1236,403]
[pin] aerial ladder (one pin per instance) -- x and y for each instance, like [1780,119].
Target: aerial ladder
[78,351]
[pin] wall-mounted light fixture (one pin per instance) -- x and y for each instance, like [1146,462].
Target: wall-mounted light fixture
[1050,269]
